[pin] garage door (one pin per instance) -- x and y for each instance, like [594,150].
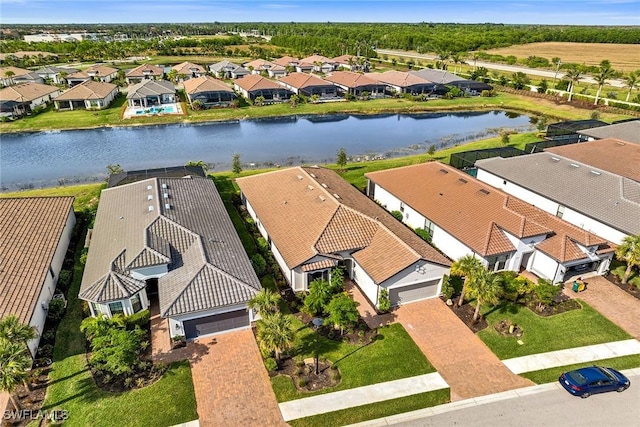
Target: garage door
[217,323]
[415,292]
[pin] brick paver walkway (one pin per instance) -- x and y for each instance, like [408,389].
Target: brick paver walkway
[463,360]
[366,310]
[612,302]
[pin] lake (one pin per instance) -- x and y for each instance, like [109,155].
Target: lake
[42,159]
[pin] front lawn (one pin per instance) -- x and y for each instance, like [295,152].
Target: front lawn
[618,268]
[551,375]
[393,355]
[575,328]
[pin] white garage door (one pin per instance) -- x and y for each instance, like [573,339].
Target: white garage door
[415,292]
[217,323]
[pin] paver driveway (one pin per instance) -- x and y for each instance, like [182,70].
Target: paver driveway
[231,384]
[463,360]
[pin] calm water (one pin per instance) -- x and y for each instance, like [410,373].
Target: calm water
[41,159]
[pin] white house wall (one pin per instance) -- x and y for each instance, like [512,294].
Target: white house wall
[418,272]
[365,283]
[153,272]
[175,323]
[596,227]
[522,247]
[546,267]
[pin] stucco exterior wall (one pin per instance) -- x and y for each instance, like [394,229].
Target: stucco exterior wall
[176,327]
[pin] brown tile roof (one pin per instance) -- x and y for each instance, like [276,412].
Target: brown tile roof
[350,79]
[302,80]
[316,58]
[312,211]
[15,70]
[285,60]
[344,59]
[187,67]
[101,70]
[21,54]
[88,90]
[139,71]
[26,92]
[255,81]
[398,78]
[475,213]
[30,231]
[205,84]
[612,155]
[262,64]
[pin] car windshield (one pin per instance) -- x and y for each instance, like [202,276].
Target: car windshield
[577,377]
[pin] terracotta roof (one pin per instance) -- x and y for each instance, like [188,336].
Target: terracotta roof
[139,71]
[205,84]
[262,64]
[101,70]
[477,214]
[26,92]
[88,90]
[285,60]
[15,70]
[398,78]
[316,58]
[30,231]
[302,80]
[350,79]
[344,59]
[612,155]
[313,211]
[255,82]
[187,67]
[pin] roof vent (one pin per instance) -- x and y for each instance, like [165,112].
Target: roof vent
[322,199]
[444,171]
[149,187]
[555,159]
[573,165]
[336,196]
[310,187]
[150,208]
[150,197]
[299,177]
[312,175]
[167,206]
[324,185]
[484,191]
[164,186]
[462,180]
[596,173]
[165,195]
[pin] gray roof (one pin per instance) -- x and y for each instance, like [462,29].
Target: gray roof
[208,267]
[228,66]
[150,88]
[29,77]
[604,196]
[55,70]
[626,131]
[436,76]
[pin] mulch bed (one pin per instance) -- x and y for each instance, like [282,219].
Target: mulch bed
[30,400]
[357,335]
[465,313]
[631,290]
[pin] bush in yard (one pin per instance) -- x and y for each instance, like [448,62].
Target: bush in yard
[271,364]
[397,215]
[56,310]
[424,234]
[384,303]
[140,319]
[544,293]
[515,287]
[318,297]
[447,288]
[117,350]
[64,280]
[263,245]
[259,264]
[343,311]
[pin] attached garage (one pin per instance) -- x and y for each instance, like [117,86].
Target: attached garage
[217,323]
[414,292]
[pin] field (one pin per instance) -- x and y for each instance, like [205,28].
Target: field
[623,57]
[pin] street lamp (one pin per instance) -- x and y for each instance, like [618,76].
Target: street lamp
[317,322]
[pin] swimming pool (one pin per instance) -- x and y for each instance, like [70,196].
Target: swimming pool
[166,109]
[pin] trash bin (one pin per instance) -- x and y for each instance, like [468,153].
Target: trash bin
[576,286]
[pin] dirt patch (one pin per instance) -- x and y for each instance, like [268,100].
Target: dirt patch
[631,290]
[303,374]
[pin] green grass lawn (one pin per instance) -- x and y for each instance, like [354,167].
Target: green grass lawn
[551,375]
[618,268]
[575,328]
[393,356]
[86,195]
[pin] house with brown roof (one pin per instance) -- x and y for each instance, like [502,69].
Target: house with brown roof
[403,82]
[188,70]
[169,242]
[34,236]
[356,84]
[321,64]
[309,85]
[315,221]
[209,92]
[21,99]
[465,216]
[90,95]
[287,61]
[254,85]
[98,72]
[262,66]
[351,63]
[144,72]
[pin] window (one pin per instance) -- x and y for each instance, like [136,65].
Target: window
[497,263]
[135,303]
[96,308]
[401,207]
[116,308]
[428,226]
[53,276]
[560,211]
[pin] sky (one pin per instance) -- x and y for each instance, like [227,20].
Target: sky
[568,12]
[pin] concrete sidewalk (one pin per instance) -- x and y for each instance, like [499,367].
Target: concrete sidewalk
[571,356]
[344,399]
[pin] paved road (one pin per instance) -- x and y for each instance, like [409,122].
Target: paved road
[500,67]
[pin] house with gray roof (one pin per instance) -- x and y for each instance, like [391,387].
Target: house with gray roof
[598,201]
[445,78]
[625,131]
[55,74]
[148,93]
[169,241]
[228,70]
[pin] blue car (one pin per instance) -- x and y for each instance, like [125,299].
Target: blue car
[584,382]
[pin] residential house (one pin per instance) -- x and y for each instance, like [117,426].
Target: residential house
[261,66]
[91,95]
[144,72]
[315,221]
[170,242]
[99,73]
[28,78]
[188,70]
[465,216]
[25,54]
[356,84]
[628,131]
[309,85]
[8,75]
[55,74]
[287,62]
[304,67]
[148,93]
[228,70]
[321,64]
[34,237]
[598,201]
[254,85]
[127,177]
[403,82]
[209,92]
[23,98]
[445,78]
[351,63]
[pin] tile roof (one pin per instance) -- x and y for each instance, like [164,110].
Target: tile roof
[626,131]
[15,70]
[351,79]
[475,213]
[313,211]
[205,84]
[187,67]
[208,266]
[303,80]
[256,82]
[26,92]
[56,70]
[612,155]
[30,231]
[263,64]
[618,199]
[344,59]
[226,66]
[398,78]
[140,70]
[286,60]
[150,87]
[88,90]
[316,58]
[436,76]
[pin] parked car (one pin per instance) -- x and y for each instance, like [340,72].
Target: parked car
[584,382]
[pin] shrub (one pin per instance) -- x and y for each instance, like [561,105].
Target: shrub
[56,310]
[447,287]
[545,291]
[263,245]
[64,280]
[487,93]
[302,382]
[140,319]
[424,234]
[384,303]
[397,215]
[271,364]
[259,264]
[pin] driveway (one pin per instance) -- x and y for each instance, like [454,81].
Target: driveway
[463,360]
[231,384]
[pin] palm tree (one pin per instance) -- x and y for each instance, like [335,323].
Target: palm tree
[629,252]
[631,81]
[466,266]
[475,56]
[8,74]
[264,302]
[276,333]
[557,62]
[15,361]
[605,72]
[11,329]
[573,75]
[485,287]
